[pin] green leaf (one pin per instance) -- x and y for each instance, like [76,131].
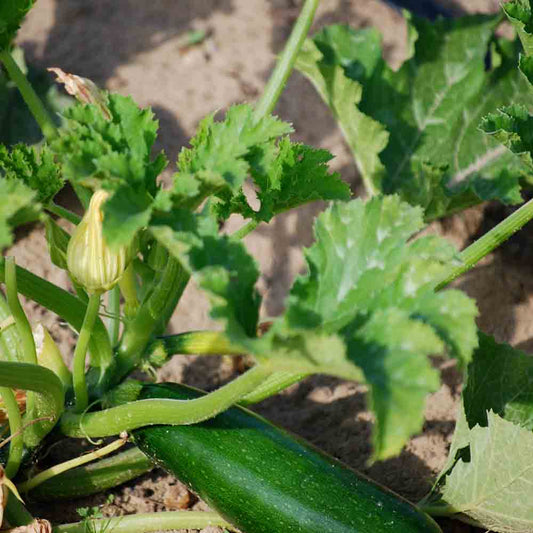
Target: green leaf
[287,176]
[512,126]
[367,309]
[36,170]
[219,264]
[366,137]
[20,208]
[500,379]
[414,131]
[217,161]
[112,151]
[493,486]
[12,13]
[519,12]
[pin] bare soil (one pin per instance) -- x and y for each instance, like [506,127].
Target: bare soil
[137,48]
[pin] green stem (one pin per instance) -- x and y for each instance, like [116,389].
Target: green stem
[48,388]
[68,307]
[113,324]
[9,340]
[153,314]
[274,384]
[63,213]
[29,95]
[141,413]
[16,444]
[490,241]
[285,63]
[21,320]
[245,230]
[142,523]
[193,343]
[95,477]
[61,468]
[78,364]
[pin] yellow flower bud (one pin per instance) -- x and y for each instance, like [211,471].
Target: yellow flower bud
[90,261]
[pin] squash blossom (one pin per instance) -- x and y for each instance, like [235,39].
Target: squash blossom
[91,262]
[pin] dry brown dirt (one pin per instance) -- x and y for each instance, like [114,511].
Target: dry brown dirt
[136,48]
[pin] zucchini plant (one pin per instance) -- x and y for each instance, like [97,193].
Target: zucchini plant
[372,306]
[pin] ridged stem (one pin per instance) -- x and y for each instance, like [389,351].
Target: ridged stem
[285,63]
[133,415]
[489,242]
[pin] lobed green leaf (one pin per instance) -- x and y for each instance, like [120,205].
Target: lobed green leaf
[414,131]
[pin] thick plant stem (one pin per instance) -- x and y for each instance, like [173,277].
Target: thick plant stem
[78,366]
[55,470]
[143,523]
[29,95]
[194,343]
[245,230]
[141,413]
[272,385]
[16,444]
[489,242]
[285,63]
[152,314]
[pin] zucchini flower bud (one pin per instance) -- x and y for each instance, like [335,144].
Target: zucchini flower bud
[90,261]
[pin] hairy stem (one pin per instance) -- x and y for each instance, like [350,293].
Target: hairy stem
[141,523]
[55,470]
[78,365]
[16,444]
[489,242]
[29,95]
[272,385]
[148,412]
[285,63]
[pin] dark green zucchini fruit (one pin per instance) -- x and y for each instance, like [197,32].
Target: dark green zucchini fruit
[264,480]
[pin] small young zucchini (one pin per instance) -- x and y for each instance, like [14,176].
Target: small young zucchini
[264,480]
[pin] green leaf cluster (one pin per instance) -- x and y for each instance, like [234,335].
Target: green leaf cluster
[114,153]
[37,170]
[414,131]
[223,154]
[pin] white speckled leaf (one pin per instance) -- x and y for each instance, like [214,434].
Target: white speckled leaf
[496,487]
